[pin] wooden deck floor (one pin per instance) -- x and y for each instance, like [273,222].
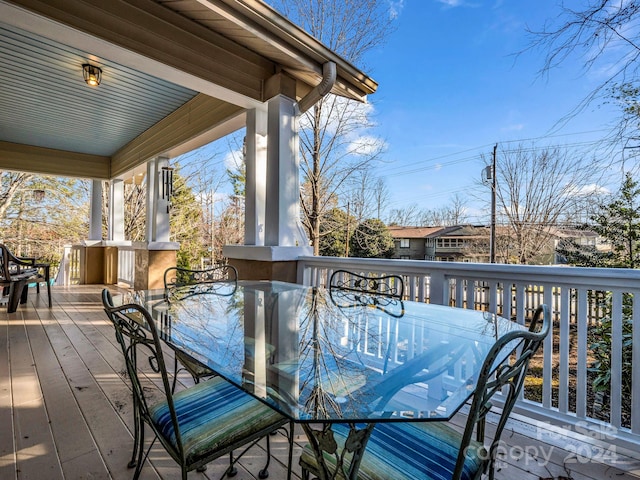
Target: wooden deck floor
[65,409]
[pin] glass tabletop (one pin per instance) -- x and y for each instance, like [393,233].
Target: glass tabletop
[330,355]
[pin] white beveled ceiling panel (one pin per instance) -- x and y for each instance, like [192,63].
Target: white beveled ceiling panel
[46,103]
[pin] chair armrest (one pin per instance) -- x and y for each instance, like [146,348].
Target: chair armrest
[23,261]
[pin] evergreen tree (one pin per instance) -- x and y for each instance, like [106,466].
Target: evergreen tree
[371,239]
[186,224]
[335,232]
[619,223]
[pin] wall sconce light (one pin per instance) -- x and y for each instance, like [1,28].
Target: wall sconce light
[92,74]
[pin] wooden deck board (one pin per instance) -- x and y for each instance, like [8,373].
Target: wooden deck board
[36,455]
[66,410]
[77,452]
[7,445]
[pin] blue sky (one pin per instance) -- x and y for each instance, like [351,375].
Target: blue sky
[451,85]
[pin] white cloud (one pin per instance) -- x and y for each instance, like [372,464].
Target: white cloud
[366,145]
[589,189]
[516,127]
[233,160]
[395,8]
[457,3]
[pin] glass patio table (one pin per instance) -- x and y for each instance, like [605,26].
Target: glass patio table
[323,356]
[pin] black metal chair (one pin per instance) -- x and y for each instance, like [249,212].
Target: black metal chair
[176,279]
[195,425]
[16,273]
[434,450]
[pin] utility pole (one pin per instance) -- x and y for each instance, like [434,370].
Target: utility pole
[492,247]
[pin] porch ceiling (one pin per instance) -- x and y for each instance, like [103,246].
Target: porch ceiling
[176,75]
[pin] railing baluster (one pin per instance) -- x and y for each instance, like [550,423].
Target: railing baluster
[506,300]
[422,293]
[581,374]
[563,373]
[411,282]
[547,367]
[493,297]
[635,356]
[459,293]
[616,359]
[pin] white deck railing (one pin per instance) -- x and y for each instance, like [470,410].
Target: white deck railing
[126,265]
[70,270]
[576,297]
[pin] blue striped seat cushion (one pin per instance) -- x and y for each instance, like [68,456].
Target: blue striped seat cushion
[212,415]
[408,451]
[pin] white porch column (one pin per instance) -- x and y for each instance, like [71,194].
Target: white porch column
[256,174]
[157,207]
[272,256]
[116,210]
[283,184]
[95,212]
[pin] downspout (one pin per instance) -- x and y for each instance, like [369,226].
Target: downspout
[323,88]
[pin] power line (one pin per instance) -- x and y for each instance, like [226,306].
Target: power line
[438,165]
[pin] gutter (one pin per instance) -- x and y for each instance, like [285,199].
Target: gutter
[329,73]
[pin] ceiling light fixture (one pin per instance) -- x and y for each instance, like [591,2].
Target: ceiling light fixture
[92,74]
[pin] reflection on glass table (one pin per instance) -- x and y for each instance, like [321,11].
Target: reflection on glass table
[320,357]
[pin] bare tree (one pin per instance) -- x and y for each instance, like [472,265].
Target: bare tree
[40,214]
[404,216]
[452,214]
[333,134]
[366,194]
[10,184]
[605,36]
[536,188]
[207,171]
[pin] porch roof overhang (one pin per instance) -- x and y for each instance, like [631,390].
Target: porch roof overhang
[177,74]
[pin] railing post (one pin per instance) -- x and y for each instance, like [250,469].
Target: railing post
[438,291]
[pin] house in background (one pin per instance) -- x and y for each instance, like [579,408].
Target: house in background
[459,243]
[584,238]
[470,243]
[410,242]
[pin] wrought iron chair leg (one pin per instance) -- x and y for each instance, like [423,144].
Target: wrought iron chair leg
[140,460]
[136,435]
[290,460]
[264,473]
[232,470]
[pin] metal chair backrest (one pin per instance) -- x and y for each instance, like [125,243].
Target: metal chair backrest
[182,277]
[384,285]
[507,379]
[137,334]
[5,258]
